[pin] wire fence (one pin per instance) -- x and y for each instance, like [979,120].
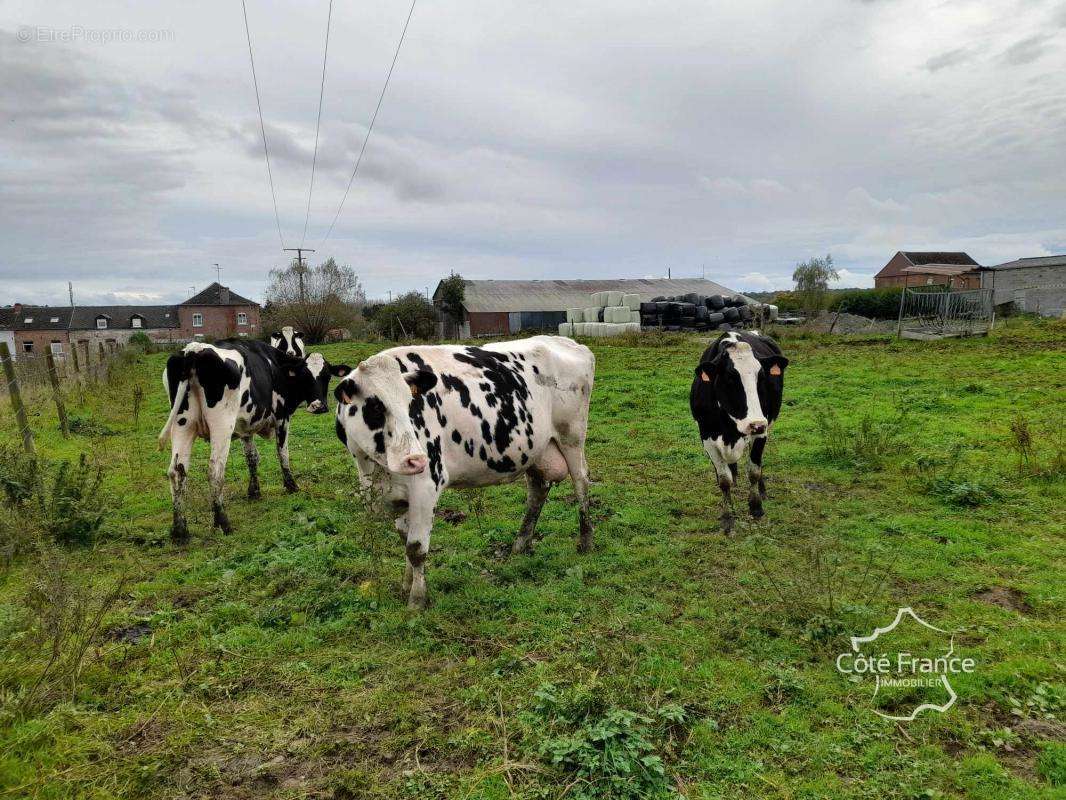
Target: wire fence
[32,376]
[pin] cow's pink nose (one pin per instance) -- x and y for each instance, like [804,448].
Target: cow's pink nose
[757,427]
[415,465]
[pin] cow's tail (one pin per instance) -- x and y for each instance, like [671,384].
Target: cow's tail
[179,382]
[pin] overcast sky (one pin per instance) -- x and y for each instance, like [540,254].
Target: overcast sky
[524,140]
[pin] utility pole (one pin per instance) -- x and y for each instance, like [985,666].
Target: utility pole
[300,268]
[70,290]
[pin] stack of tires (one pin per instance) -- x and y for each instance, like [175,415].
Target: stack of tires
[698,312]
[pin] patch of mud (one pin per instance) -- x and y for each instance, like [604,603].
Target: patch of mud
[1005,597]
[130,634]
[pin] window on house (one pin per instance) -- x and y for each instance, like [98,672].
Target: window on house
[135,322]
[54,319]
[242,318]
[28,320]
[197,320]
[27,347]
[101,322]
[57,347]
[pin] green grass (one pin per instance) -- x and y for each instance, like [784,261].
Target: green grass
[281,662]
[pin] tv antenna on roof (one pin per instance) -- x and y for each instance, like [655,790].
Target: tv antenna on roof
[218,272]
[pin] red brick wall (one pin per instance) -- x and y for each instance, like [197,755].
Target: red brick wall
[41,341]
[485,322]
[968,280]
[219,321]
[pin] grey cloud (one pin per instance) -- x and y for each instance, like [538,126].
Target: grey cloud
[551,140]
[1027,50]
[950,58]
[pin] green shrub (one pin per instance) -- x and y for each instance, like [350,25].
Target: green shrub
[141,341]
[874,303]
[410,316]
[74,511]
[18,475]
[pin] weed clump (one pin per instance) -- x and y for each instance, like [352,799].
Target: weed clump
[863,447]
[610,753]
[69,507]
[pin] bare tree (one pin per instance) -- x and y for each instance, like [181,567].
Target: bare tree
[314,300]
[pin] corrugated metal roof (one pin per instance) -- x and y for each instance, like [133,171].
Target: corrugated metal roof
[939,269]
[1037,261]
[559,295]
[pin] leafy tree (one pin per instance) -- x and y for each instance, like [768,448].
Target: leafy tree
[409,316]
[812,280]
[452,294]
[314,300]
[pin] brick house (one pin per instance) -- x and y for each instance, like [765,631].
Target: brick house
[218,312]
[36,329]
[214,313]
[955,270]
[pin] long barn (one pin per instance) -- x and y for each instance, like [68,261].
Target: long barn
[498,308]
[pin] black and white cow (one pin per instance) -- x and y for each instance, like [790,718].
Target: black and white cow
[289,340]
[735,398]
[420,419]
[234,389]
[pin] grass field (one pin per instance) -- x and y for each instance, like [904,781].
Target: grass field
[281,662]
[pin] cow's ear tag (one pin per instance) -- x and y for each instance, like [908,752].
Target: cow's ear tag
[703,377]
[775,370]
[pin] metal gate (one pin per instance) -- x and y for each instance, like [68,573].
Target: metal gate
[937,313]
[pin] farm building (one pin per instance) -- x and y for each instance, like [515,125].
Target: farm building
[215,312]
[1035,285]
[908,268]
[493,308]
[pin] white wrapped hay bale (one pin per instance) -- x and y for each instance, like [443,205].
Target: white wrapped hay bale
[632,327]
[566,329]
[575,314]
[772,311]
[634,316]
[599,299]
[614,299]
[579,329]
[631,301]
[592,314]
[614,314]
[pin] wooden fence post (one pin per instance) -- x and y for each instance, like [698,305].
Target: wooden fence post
[102,374]
[74,357]
[57,395]
[16,399]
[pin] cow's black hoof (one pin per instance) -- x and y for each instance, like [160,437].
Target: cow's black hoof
[584,544]
[222,521]
[756,510]
[179,532]
[521,546]
[290,486]
[254,493]
[726,521]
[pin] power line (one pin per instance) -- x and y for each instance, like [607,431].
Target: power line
[262,127]
[318,124]
[373,119]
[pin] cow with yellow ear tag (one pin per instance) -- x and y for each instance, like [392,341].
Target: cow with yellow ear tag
[735,398]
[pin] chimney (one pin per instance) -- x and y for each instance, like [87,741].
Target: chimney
[18,308]
[223,295]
